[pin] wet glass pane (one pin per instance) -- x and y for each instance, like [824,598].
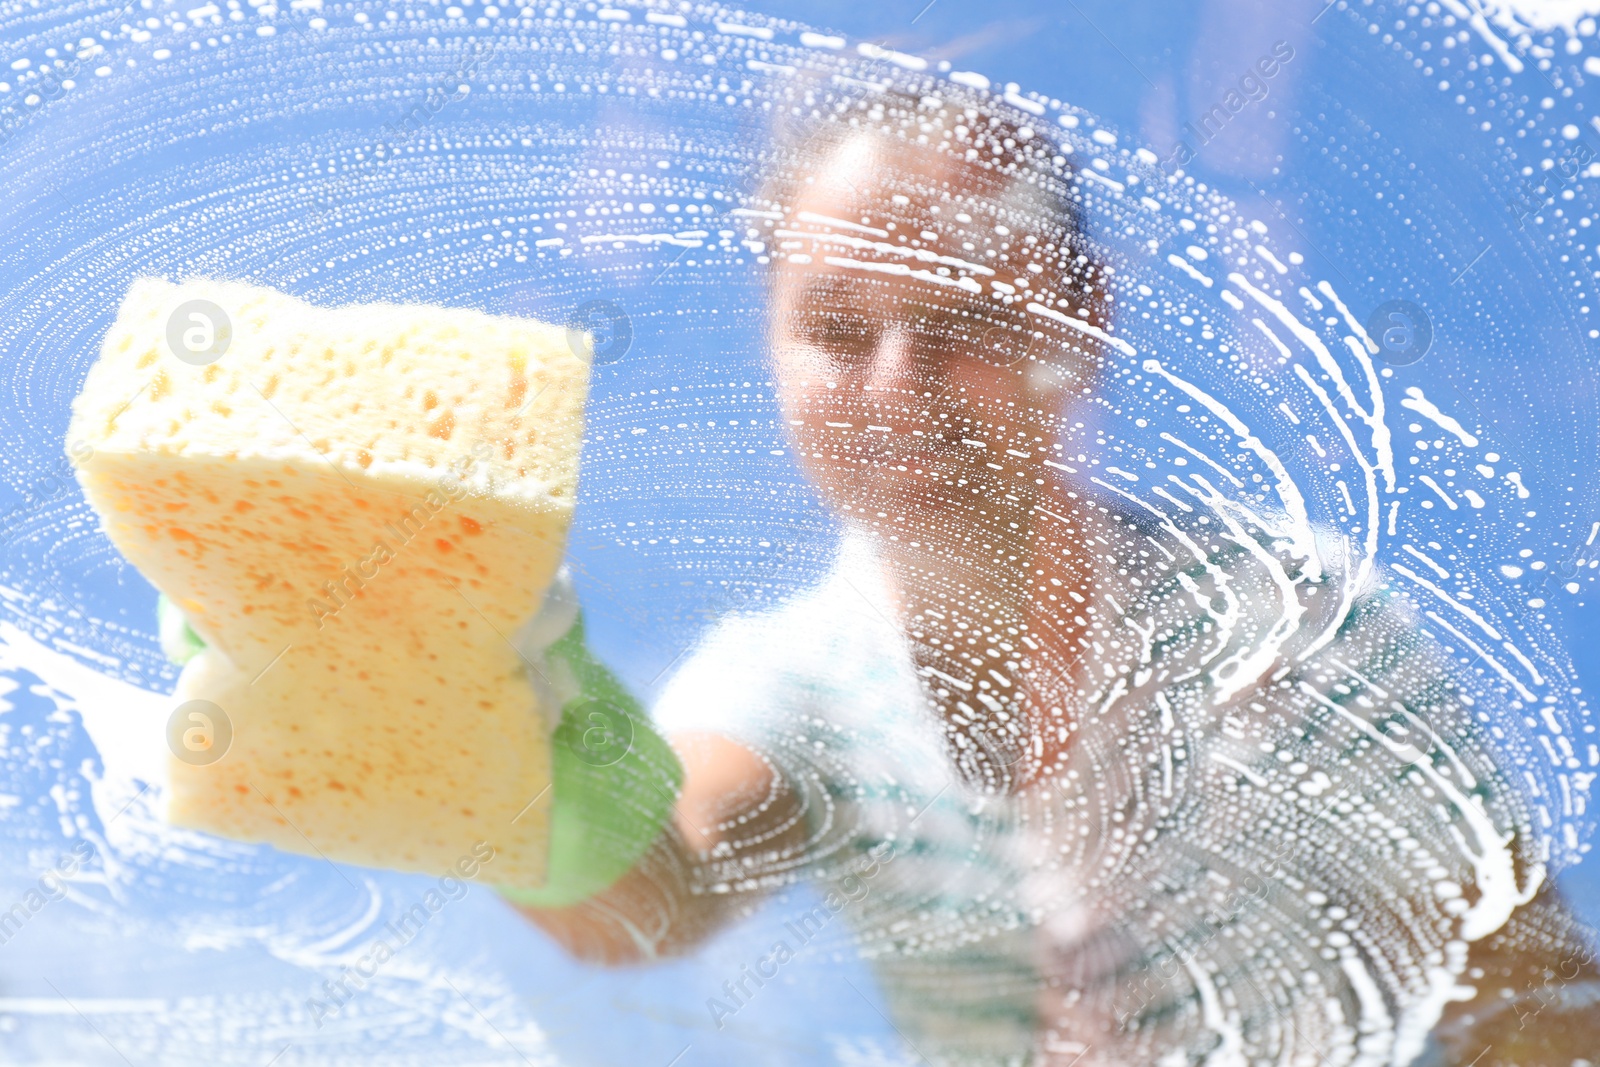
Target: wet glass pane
[808,534]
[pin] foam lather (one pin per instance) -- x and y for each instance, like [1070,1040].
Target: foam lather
[355,509]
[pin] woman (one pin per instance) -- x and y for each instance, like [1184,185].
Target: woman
[1066,816]
[893,359]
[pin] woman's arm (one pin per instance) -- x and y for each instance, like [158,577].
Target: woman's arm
[736,830]
[1538,993]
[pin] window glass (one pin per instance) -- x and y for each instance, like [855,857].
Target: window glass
[1101,500]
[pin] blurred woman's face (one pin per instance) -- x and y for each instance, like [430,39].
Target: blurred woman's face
[914,402]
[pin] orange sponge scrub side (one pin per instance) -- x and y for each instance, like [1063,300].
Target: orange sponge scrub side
[356,508]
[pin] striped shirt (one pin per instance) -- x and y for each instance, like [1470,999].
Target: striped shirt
[1277,825]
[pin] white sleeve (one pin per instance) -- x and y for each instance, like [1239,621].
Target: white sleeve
[726,685]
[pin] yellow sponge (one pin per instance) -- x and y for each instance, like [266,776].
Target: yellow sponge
[356,508]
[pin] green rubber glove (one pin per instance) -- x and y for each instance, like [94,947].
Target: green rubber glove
[614,780]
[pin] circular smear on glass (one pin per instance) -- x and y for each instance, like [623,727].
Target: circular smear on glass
[1152,631]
